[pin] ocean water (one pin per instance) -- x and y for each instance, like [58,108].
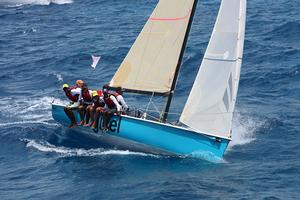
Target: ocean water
[45,43]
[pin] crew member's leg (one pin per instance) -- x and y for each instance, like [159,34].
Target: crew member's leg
[71,116]
[107,116]
[105,120]
[88,115]
[92,114]
[81,110]
[98,111]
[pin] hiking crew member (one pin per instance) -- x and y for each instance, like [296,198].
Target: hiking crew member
[73,94]
[85,99]
[111,106]
[119,97]
[68,92]
[98,102]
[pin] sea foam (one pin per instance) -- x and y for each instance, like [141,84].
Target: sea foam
[30,110]
[71,152]
[244,127]
[17,3]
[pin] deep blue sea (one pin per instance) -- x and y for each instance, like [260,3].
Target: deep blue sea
[45,43]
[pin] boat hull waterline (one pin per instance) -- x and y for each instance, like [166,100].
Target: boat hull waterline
[135,134]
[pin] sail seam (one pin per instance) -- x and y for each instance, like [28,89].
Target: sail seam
[170,19]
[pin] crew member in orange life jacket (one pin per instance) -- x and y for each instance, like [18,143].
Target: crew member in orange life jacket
[98,102]
[85,100]
[111,106]
[73,93]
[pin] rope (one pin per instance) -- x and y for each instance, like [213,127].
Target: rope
[150,101]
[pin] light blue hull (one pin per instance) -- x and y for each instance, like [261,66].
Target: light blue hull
[131,133]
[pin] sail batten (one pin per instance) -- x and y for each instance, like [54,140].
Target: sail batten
[211,102]
[151,62]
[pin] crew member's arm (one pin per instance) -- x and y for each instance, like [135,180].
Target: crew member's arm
[91,95]
[121,100]
[102,102]
[67,90]
[119,108]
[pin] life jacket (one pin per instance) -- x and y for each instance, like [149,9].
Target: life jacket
[99,102]
[110,104]
[70,96]
[115,94]
[86,96]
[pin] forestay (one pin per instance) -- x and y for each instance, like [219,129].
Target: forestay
[210,105]
[151,62]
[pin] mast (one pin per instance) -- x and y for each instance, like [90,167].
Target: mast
[170,96]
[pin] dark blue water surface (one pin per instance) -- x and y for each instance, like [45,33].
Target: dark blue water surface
[44,46]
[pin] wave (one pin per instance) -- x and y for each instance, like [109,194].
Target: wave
[71,152]
[20,110]
[288,29]
[27,122]
[18,3]
[286,33]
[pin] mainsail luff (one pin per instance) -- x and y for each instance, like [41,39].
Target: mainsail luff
[151,63]
[210,105]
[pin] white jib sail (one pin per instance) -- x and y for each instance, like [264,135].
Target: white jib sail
[210,105]
[151,62]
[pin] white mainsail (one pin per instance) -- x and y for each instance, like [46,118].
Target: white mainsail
[151,62]
[210,105]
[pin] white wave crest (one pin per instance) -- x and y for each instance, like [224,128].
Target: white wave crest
[62,1]
[27,122]
[59,77]
[17,3]
[29,110]
[243,129]
[70,152]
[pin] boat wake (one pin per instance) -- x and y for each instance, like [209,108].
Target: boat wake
[73,152]
[20,111]
[26,122]
[44,146]
[17,3]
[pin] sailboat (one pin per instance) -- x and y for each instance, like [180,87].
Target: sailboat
[152,66]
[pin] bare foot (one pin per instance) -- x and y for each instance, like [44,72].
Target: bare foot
[73,125]
[88,124]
